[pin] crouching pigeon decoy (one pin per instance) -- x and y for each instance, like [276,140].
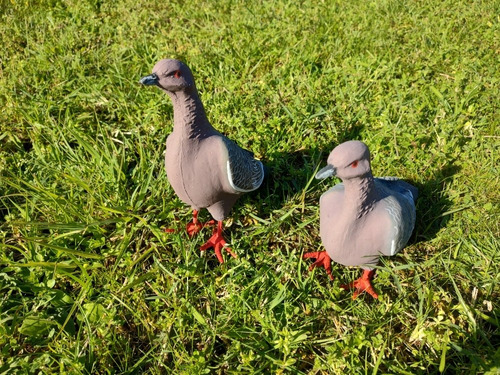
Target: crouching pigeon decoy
[205,169]
[363,217]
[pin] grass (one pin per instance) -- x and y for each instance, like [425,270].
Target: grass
[90,283]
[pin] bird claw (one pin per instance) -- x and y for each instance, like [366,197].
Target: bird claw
[322,260]
[363,284]
[218,243]
[193,227]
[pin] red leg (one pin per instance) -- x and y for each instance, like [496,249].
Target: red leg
[322,260]
[363,284]
[217,242]
[194,226]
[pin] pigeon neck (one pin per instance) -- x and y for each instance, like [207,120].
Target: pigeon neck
[360,195]
[190,119]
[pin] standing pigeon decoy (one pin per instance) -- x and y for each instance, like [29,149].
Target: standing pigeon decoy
[205,169]
[363,217]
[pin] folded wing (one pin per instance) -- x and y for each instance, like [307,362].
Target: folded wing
[243,171]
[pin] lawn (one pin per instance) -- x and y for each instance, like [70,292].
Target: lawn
[90,282]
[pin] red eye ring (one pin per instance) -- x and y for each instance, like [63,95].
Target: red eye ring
[354,164]
[177,74]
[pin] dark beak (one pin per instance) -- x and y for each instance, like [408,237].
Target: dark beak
[149,80]
[325,172]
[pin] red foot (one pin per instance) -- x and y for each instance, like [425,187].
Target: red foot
[218,243]
[322,260]
[193,227]
[363,284]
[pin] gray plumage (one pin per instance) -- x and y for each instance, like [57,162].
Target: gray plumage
[205,169]
[363,217]
[244,172]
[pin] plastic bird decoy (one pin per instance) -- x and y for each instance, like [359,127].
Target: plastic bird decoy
[363,217]
[205,169]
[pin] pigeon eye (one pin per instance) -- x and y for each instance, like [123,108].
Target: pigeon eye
[354,164]
[175,73]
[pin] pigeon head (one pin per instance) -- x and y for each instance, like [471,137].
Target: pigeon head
[170,75]
[348,160]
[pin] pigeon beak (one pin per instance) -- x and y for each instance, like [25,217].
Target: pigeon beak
[149,80]
[325,172]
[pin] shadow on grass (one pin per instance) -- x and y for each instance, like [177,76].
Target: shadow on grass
[433,206]
[433,213]
[287,175]
[290,172]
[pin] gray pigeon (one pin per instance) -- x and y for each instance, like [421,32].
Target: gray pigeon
[205,169]
[363,217]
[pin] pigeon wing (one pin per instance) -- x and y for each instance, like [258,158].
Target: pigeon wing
[399,186]
[243,171]
[400,206]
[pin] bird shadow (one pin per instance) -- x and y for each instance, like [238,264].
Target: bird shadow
[289,172]
[433,204]
[433,208]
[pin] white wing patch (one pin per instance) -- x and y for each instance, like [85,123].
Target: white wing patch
[393,247]
[396,218]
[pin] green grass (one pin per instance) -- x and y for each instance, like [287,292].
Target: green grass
[90,283]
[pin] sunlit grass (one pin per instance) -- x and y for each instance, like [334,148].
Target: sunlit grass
[89,281]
